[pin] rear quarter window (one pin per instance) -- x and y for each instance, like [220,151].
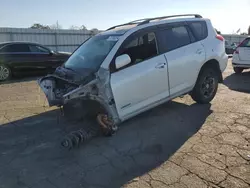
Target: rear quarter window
[245,43]
[199,29]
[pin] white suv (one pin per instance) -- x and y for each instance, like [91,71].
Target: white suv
[241,56]
[136,66]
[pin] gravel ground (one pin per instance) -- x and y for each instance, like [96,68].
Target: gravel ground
[179,144]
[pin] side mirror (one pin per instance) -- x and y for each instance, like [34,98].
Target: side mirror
[51,52]
[122,60]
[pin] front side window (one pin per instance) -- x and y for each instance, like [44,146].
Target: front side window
[15,48]
[176,37]
[144,49]
[92,53]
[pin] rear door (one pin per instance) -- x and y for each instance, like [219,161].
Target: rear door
[184,56]
[244,50]
[144,81]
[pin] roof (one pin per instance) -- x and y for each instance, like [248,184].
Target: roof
[17,42]
[148,20]
[123,28]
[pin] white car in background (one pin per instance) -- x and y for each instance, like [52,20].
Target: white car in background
[241,56]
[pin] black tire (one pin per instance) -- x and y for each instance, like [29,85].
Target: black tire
[206,86]
[238,70]
[5,73]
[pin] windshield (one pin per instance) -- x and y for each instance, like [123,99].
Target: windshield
[92,53]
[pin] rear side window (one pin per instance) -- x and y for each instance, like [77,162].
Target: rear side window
[199,28]
[245,43]
[38,49]
[14,48]
[176,37]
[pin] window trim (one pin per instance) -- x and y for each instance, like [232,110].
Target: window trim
[152,29]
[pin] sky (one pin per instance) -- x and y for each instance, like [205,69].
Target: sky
[227,16]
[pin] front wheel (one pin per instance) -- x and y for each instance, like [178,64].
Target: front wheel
[5,73]
[238,70]
[206,86]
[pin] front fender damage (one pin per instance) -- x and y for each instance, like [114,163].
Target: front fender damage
[60,92]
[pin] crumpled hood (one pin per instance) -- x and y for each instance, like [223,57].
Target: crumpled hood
[79,77]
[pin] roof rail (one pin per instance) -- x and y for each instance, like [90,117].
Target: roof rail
[172,16]
[147,20]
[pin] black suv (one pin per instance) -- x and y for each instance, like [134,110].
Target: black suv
[28,58]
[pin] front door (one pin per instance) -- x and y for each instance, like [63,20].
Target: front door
[184,57]
[144,81]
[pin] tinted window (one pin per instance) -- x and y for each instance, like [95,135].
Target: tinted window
[38,49]
[16,48]
[245,43]
[176,37]
[145,48]
[199,29]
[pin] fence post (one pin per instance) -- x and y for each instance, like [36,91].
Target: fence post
[56,42]
[11,36]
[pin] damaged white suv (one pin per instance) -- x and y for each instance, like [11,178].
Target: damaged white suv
[136,66]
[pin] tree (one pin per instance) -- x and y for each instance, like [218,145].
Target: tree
[56,26]
[249,30]
[83,27]
[73,27]
[39,26]
[94,31]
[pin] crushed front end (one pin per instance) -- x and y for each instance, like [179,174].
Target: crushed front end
[92,92]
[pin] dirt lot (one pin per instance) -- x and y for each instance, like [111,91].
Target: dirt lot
[179,144]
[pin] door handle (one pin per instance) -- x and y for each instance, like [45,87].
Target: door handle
[160,66]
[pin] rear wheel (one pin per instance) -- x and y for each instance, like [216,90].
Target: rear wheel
[206,86]
[5,73]
[238,70]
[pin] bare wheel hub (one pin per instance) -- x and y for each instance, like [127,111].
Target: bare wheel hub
[106,124]
[4,72]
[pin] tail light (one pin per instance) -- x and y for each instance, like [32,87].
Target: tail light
[219,37]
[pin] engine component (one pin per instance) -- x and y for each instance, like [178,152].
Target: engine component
[75,138]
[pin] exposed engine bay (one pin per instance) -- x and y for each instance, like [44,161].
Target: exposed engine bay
[91,91]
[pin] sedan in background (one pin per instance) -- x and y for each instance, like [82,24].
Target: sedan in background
[241,56]
[25,58]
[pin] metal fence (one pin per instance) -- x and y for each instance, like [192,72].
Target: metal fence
[235,38]
[60,40]
[65,40]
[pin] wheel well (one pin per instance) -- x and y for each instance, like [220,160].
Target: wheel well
[213,63]
[93,107]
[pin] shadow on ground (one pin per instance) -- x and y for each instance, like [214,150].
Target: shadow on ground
[238,82]
[19,80]
[31,155]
